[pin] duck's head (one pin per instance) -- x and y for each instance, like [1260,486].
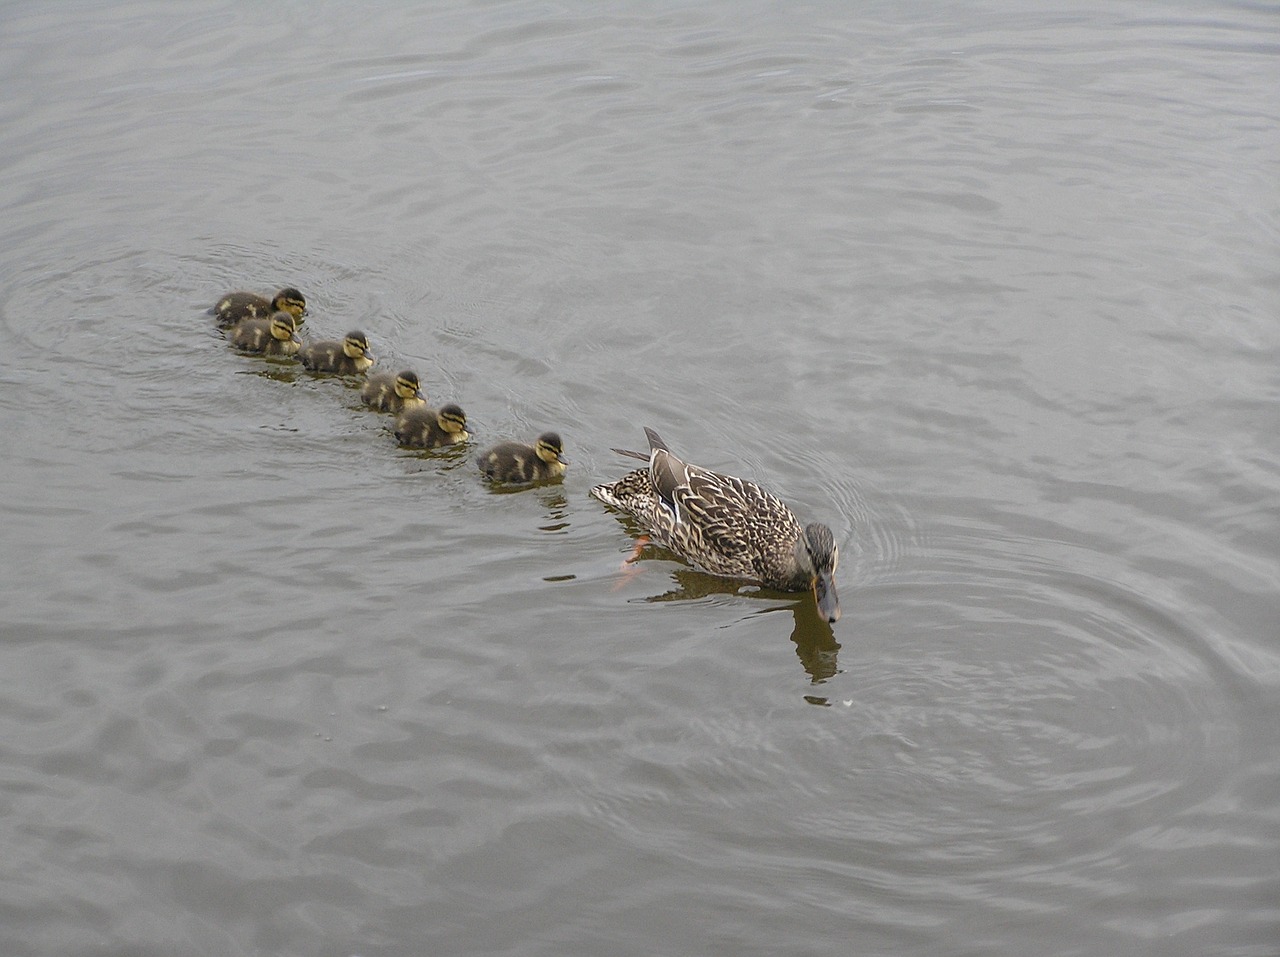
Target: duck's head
[550,449]
[355,345]
[291,301]
[283,326]
[817,555]
[407,385]
[453,420]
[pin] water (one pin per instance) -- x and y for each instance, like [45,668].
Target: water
[991,289]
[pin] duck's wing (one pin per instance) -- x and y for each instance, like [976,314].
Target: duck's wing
[706,508]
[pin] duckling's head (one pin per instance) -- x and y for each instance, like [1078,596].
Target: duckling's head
[407,385]
[291,301]
[453,420]
[817,555]
[283,326]
[550,449]
[355,345]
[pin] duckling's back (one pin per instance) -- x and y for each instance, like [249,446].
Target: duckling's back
[419,428]
[516,463]
[255,335]
[380,392]
[235,307]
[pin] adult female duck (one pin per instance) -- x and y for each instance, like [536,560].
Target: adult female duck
[727,526]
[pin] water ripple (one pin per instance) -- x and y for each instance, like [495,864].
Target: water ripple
[989,291]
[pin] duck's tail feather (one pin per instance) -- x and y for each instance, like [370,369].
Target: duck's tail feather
[655,441]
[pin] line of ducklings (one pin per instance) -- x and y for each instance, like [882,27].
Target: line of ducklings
[269,326]
[728,526]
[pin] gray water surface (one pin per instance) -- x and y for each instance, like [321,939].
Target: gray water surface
[992,289]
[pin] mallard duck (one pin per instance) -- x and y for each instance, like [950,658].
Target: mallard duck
[346,356]
[275,336]
[517,463]
[727,526]
[423,428]
[393,393]
[235,306]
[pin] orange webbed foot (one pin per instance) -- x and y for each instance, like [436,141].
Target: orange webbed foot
[628,567]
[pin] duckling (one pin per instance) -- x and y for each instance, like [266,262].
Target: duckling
[423,428]
[517,463]
[276,336]
[346,357]
[393,393]
[235,306]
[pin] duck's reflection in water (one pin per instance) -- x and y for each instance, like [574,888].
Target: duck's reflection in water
[815,641]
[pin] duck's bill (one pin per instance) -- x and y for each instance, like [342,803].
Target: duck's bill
[824,590]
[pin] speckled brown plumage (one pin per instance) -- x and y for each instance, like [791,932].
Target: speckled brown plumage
[726,525]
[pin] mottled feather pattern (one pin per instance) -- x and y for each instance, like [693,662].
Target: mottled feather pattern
[724,524]
[633,493]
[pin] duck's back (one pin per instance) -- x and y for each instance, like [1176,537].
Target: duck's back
[252,335]
[725,525]
[237,306]
[420,428]
[379,391]
[516,463]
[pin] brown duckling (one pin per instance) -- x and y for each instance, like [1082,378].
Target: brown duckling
[423,428]
[347,356]
[235,306]
[393,393]
[274,336]
[518,464]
